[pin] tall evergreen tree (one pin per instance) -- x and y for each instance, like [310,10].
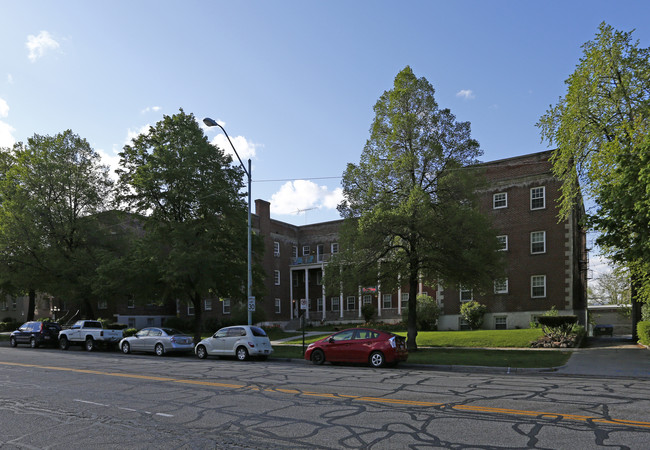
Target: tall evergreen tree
[410,208]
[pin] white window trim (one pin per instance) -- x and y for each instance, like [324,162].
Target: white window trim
[386,299]
[505,319]
[276,277]
[190,310]
[350,300]
[335,301]
[102,304]
[306,251]
[532,286]
[276,249]
[507,286]
[225,308]
[505,247]
[543,197]
[543,241]
[494,200]
[367,299]
[294,251]
[460,294]
[334,247]
[278,306]
[207,304]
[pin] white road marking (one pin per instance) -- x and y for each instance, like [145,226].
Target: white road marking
[122,408]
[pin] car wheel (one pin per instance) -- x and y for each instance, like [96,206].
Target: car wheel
[12,341]
[64,344]
[126,348]
[242,353]
[377,359]
[318,357]
[90,344]
[201,352]
[33,343]
[159,349]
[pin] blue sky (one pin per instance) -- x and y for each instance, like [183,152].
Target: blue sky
[293,82]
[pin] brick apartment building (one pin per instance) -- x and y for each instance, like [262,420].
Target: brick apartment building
[546,259]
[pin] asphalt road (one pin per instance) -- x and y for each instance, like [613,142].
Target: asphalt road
[60,399]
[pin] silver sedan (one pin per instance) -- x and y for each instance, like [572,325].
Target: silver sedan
[158,341]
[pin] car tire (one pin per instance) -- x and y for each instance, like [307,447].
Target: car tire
[159,350]
[377,359]
[241,353]
[33,343]
[12,341]
[90,344]
[317,357]
[201,352]
[64,344]
[126,348]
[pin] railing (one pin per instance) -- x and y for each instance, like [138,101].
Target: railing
[310,259]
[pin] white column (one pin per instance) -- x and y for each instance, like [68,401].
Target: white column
[323,284]
[307,291]
[291,293]
[359,301]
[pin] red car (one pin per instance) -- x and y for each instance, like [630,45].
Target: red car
[359,345]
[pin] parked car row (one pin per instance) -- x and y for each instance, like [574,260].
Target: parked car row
[355,345]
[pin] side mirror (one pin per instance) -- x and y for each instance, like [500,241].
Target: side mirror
[330,340]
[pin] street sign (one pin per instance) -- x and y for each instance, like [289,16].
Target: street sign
[251,304]
[304,303]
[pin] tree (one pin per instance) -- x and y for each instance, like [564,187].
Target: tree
[50,191]
[195,217]
[473,313]
[601,129]
[410,208]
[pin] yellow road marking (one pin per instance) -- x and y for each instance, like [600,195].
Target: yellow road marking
[392,401]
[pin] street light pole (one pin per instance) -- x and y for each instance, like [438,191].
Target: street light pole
[249,285]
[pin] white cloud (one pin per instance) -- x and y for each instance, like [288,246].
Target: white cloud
[300,195]
[245,148]
[38,45]
[151,108]
[10,78]
[467,94]
[6,131]
[132,134]
[110,160]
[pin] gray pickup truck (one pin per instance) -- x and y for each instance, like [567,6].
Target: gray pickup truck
[89,333]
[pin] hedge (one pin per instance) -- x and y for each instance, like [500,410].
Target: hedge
[643,331]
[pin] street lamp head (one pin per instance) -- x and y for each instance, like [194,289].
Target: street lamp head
[209,122]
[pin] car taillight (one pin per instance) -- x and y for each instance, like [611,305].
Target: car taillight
[392,342]
[41,329]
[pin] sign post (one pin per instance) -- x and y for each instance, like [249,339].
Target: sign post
[304,304]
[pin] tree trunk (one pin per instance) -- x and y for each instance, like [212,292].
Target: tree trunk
[32,305]
[636,305]
[412,328]
[198,317]
[88,308]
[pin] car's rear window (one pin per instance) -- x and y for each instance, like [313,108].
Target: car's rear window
[258,332]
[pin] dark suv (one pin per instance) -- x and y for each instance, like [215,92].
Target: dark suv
[36,334]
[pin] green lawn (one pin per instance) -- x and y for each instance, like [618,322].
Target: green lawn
[479,338]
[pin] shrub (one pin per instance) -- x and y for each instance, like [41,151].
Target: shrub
[427,311]
[473,313]
[645,312]
[558,327]
[368,311]
[129,332]
[643,331]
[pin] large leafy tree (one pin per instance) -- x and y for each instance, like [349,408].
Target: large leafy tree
[409,205]
[601,129]
[195,217]
[50,191]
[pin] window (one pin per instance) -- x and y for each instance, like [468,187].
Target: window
[3,305]
[351,302]
[294,251]
[13,304]
[102,304]
[501,286]
[319,278]
[405,301]
[538,198]
[500,323]
[367,299]
[320,250]
[276,248]
[131,321]
[503,242]
[130,303]
[225,304]
[466,295]
[190,309]
[207,305]
[500,200]
[277,277]
[538,286]
[387,301]
[335,247]
[463,325]
[305,250]
[538,242]
[335,302]
[319,304]
[278,306]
